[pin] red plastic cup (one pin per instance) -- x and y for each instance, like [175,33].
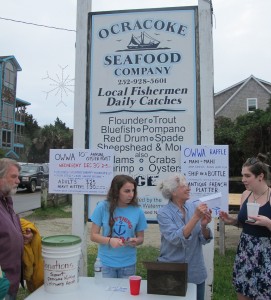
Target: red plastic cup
[135,284]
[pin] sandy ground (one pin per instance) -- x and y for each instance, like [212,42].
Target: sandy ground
[152,234]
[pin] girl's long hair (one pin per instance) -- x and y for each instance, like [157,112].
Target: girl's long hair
[113,196]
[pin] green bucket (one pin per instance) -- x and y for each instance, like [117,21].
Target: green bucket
[61,254]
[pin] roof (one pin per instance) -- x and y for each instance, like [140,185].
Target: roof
[11,57]
[236,88]
[21,102]
[11,154]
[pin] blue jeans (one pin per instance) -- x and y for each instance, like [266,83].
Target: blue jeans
[123,272]
[201,291]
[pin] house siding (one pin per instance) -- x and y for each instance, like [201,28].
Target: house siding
[238,104]
[221,98]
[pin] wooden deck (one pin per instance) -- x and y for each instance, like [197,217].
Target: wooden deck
[234,199]
[234,202]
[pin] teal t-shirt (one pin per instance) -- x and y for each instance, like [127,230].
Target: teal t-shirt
[4,286]
[128,221]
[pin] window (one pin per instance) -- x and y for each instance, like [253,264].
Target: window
[9,76]
[8,113]
[252,104]
[6,138]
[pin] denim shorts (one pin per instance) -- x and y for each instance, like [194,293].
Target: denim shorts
[123,272]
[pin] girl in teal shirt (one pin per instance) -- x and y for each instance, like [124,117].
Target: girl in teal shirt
[118,227]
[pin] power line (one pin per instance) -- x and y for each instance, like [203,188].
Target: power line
[34,24]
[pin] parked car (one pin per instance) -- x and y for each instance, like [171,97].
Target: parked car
[32,175]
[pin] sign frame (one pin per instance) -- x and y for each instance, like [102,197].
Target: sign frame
[97,93]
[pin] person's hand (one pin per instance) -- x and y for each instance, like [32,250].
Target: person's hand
[223,216]
[116,242]
[132,242]
[28,236]
[261,221]
[201,210]
[207,218]
[226,218]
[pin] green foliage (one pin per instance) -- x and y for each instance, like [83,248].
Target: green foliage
[31,129]
[247,136]
[145,253]
[56,136]
[51,213]
[255,132]
[22,294]
[2,153]
[226,134]
[31,126]
[222,285]
[38,141]
[92,254]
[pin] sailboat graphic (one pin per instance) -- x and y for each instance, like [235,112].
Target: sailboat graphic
[144,41]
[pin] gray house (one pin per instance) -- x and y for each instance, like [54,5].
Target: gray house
[243,97]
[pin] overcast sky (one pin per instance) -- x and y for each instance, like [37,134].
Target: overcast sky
[241,34]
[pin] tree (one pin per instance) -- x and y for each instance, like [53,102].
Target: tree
[56,136]
[226,134]
[31,126]
[31,130]
[247,136]
[255,132]
[2,153]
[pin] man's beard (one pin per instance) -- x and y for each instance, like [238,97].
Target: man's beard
[13,191]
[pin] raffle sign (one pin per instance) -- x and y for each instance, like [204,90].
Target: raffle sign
[206,169]
[143,93]
[74,171]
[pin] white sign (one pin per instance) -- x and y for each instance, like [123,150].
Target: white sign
[143,93]
[85,171]
[206,169]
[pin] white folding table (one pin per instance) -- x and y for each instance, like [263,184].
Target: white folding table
[108,289]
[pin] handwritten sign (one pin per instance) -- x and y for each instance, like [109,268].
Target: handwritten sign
[85,171]
[66,277]
[206,170]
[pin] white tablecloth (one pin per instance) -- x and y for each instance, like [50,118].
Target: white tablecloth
[108,289]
